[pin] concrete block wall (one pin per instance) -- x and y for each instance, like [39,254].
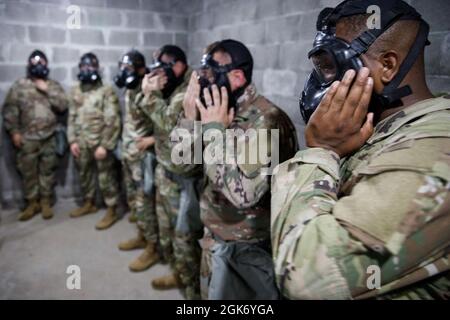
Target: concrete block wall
[279,33]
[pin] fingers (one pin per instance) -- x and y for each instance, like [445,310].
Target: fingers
[354,96]
[207,96]
[216,96]
[364,101]
[342,91]
[201,108]
[230,116]
[224,95]
[325,103]
[367,129]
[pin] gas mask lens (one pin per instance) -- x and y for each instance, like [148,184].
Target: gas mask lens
[325,66]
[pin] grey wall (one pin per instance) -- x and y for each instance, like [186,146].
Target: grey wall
[278,32]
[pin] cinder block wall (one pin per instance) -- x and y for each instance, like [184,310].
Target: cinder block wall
[278,32]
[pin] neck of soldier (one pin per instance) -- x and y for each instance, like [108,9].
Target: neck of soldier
[420,92]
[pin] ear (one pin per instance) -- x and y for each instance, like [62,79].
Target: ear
[391,64]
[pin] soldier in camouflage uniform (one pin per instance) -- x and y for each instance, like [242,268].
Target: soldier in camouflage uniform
[137,142]
[363,203]
[235,203]
[29,117]
[162,99]
[93,130]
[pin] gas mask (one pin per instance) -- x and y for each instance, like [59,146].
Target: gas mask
[88,69]
[127,75]
[332,56]
[172,80]
[210,73]
[37,66]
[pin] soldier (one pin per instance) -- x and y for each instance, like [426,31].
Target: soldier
[162,99]
[93,130]
[235,208]
[29,114]
[137,145]
[363,212]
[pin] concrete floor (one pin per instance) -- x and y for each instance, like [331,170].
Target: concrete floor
[34,256]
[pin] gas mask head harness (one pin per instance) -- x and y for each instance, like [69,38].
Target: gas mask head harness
[88,66]
[129,65]
[37,65]
[332,56]
[176,54]
[211,72]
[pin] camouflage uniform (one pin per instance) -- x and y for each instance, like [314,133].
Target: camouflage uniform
[235,204]
[136,125]
[179,246]
[387,205]
[94,120]
[31,113]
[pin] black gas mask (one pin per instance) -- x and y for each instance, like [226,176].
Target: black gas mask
[37,65]
[172,80]
[127,75]
[88,69]
[332,56]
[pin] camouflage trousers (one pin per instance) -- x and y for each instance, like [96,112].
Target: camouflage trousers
[140,203]
[178,242]
[89,168]
[37,162]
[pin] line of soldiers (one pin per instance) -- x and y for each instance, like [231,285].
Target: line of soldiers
[372,188]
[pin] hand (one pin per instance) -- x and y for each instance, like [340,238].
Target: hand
[143,143]
[17,140]
[192,93]
[100,153]
[154,81]
[75,149]
[41,84]
[341,123]
[217,110]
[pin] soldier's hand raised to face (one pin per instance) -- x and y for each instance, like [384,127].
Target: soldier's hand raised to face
[17,140]
[153,82]
[192,94]
[216,109]
[41,84]
[341,122]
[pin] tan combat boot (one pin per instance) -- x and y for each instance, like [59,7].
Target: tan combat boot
[149,257]
[32,208]
[135,243]
[108,220]
[170,281]
[88,207]
[47,212]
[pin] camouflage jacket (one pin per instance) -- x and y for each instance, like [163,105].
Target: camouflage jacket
[136,125]
[94,116]
[235,204]
[164,114]
[337,224]
[31,112]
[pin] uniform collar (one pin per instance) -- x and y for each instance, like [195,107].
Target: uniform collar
[394,122]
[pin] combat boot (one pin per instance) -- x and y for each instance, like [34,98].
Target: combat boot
[170,281]
[135,243]
[149,257]
[108,220]
[88,207]
[32,208]
[47,212]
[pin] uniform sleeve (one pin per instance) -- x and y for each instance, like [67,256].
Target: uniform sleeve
[164,115]
[327,248]
[112,128]
[11,111]
[72,126]
[237,176]
[57,97]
